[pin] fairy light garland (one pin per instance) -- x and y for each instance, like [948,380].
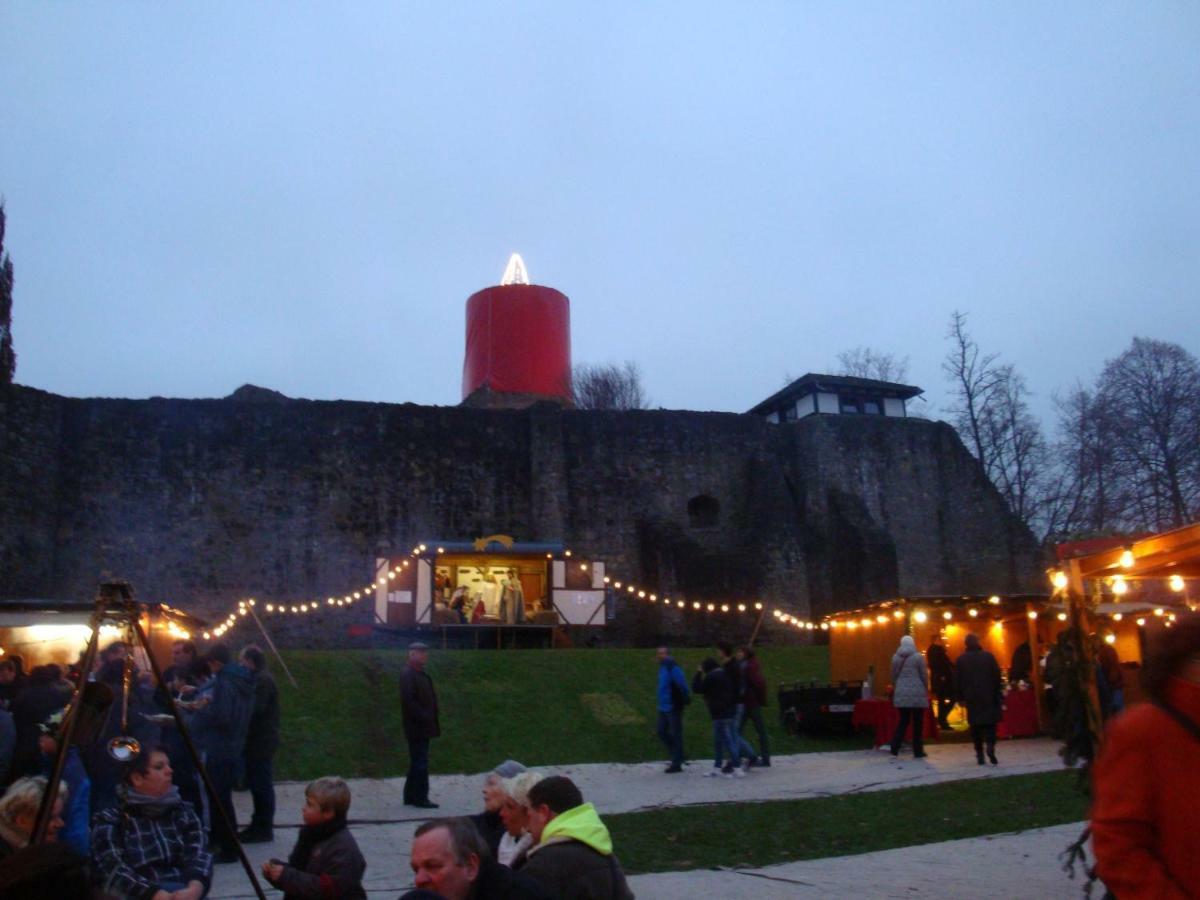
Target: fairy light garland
[620,588]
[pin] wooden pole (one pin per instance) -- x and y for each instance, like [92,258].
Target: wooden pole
[757,625]
[271,644]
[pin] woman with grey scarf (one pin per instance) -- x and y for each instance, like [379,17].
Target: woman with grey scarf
[152,844]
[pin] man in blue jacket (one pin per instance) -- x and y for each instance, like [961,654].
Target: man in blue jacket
[221,722]
[673,696]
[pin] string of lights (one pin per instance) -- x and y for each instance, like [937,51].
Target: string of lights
[622,589]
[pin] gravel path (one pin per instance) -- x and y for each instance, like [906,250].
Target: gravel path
[383,826]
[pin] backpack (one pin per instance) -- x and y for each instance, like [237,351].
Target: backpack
[679,697]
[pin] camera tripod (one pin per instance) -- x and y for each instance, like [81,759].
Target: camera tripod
[115,604]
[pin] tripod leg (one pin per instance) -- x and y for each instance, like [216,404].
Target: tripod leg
[214,800]
[67,733]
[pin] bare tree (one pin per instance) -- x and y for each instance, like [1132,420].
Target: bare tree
[976,379]
[991,413]
[8,358]
[1149,400]
[608,386]
[863,362]
[1083,499]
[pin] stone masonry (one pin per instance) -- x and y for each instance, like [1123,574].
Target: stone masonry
[203,502]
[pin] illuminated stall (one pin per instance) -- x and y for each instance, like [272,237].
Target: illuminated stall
[1127,589]
[52,631]
[863,641]
[494,582]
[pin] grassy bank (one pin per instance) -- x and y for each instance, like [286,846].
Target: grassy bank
[541,707]
[764,834]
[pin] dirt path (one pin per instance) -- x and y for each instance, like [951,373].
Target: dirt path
[384,826]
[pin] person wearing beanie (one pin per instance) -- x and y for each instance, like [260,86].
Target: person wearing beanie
[910,694]
[489,823]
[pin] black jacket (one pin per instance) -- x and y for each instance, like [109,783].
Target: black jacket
[491,827]
[733,671]
[572,870]
[419,706]
[979,687]
[335,868]
[262,738]
[497,882]
[717,692]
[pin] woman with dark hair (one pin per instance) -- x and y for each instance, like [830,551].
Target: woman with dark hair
[1145,816]
[152,845]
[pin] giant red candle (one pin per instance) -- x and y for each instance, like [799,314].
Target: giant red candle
[518,341]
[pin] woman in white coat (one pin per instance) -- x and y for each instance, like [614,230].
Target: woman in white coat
[910,694]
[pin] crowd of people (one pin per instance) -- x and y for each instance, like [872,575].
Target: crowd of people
[734,693]
[144,827]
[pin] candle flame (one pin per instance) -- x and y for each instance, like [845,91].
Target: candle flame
[515,272]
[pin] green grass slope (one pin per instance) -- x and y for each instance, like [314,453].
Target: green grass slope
[542,707]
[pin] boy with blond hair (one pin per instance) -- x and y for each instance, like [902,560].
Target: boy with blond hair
[326,861]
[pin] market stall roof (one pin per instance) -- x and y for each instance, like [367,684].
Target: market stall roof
[1157,556]
[957,600]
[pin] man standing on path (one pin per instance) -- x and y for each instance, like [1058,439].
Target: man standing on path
[222,721]
[262,740]
[673,696]
[418,704]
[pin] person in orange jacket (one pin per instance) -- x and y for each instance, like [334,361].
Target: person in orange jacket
[1145,815]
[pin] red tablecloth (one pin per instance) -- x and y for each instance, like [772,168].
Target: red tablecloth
[881,715]
[1020,715]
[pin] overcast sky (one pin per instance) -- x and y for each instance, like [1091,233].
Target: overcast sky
[303,196]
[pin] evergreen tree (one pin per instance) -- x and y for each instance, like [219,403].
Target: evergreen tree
[8,359]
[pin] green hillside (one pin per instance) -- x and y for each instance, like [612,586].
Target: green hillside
[539,706]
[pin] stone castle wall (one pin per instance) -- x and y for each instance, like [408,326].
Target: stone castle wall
[203,502]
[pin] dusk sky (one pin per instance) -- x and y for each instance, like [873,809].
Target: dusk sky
[303,196]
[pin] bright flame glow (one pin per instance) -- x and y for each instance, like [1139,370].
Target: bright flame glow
[1033,614]
[1110,639]
[972,612]
[994,600]
[1176,582]
[1117,617]
[920,616]
[515,272]
[1059,579]
[1126,559]
[1120,586]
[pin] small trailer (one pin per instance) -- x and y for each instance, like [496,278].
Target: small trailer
[813,708]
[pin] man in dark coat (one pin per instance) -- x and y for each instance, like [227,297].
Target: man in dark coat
[262,740]
[572,856]
[980,691]
[712,683]
[418,705]
[733,671]
[221,723]
[941,680]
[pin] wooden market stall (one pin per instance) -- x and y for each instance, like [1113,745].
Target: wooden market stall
[1129,589]
[56,631]
[862,641]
